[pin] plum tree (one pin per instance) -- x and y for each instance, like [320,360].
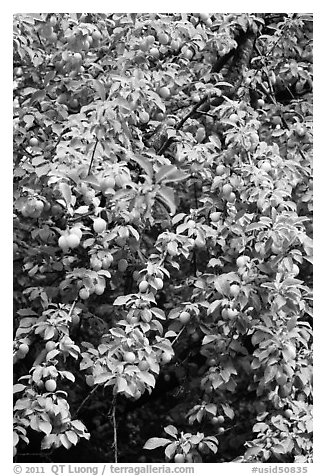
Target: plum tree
[163,236]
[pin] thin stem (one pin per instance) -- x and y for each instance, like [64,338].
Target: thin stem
[192,111]
[248,157]
[86,399]
[195,195]
[79,217]
[163,258]
[181,122]
[72,308]
[195,262]
[177,337]
[93,154]
[214,116]
[39,39]
[115,434]
[194,251]
[59,138]
[29,154]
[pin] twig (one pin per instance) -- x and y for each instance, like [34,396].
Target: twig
[39,39]
[115,435]
[86,399]
[167,142]
[195,195]
[177,337]
[194,251]
[93,154]
[192,111]
[248,157]
[163,257]
[203,113]
[59,138]
[32,156]
[79,217]
[72,308]
[194,260]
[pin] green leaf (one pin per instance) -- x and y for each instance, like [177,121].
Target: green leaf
[278,448]
[121,300]
[37,96]
[48,77]
[121,384]
[50,355]
[45,426]
[260,427]
[211,438]
[228,411]
[211,446]
[178,218]
[18,387]
[68,375]
[224,83]
[134,232]
[104,377]
[26,312]
[157,99]
[171,430]
[208,339]
[211,408]
[100,89]
[170,334]
[170,449]
[213,306]
[15,438]
[195,439]
[153,443]
[65,192]
[65,442]
[171,133]
[49,441]
[158,312]
[291,323]
[78,425]
[254,226]
[92,180]
[215,140]
[72,437]
[170,173]
[200,415]
[148,378]
[254,451]
[144,163]
[270,373]
[222,285]
[117,332]
[166,196]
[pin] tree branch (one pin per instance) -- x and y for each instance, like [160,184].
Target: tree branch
[115,434]
[93,154]
[169,140]
[86,399]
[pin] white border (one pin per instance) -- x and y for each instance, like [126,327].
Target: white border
[8,9]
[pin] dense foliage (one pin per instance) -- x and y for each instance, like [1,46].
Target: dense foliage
[163,237]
